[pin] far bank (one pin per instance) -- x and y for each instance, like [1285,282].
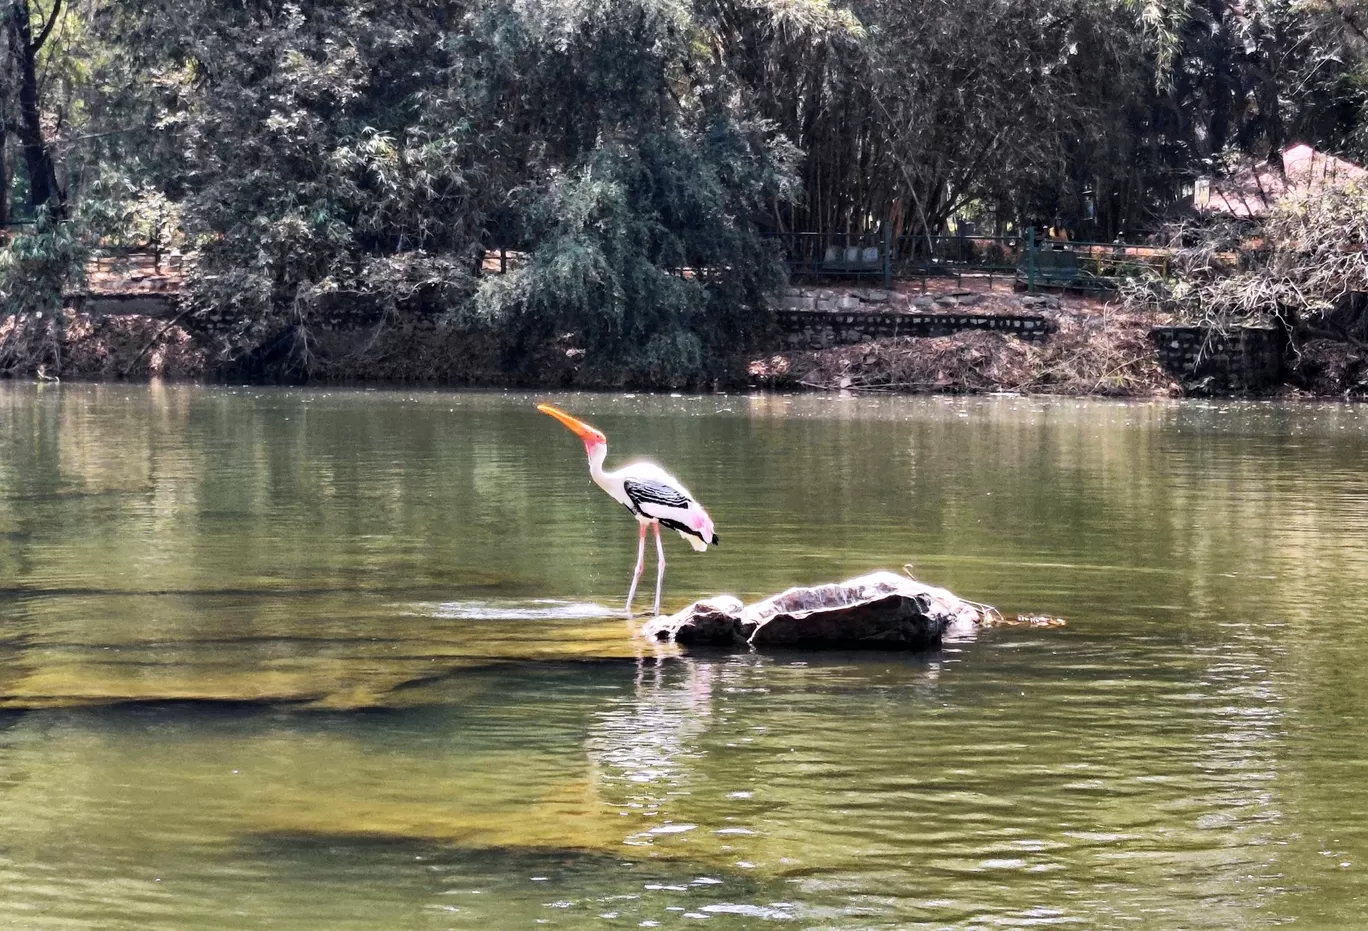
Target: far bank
[946,336]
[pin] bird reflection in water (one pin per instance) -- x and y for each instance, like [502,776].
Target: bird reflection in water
[643,746]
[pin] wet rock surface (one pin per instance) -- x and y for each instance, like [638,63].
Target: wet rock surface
[710,621]
[882,610]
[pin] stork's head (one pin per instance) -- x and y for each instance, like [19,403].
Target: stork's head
[592,436]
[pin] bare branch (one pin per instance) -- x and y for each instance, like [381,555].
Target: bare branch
[37,43]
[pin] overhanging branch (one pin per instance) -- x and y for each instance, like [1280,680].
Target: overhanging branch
[47,27]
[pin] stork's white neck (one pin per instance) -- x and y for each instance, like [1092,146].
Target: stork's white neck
[597,453]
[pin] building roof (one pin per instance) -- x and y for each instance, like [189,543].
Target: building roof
[1253,190]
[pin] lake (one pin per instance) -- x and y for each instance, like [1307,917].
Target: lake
[357,660]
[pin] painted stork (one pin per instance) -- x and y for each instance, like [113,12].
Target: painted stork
[654,497]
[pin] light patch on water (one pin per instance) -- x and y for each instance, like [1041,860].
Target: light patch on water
[1102,837]
[538,610]
[775,912]
[672,829]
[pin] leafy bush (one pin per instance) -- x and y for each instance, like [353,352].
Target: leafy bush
[639,254]
[42,263]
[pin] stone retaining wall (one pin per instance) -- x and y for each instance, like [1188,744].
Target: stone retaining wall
[1247,359]
[133,303]
[819,329]
[332,312]
[816,318]
[828,299]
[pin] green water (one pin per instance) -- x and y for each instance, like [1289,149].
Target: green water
[356,660]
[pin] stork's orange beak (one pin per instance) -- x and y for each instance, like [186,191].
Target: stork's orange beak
[579,427]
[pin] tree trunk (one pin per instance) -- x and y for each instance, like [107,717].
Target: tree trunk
[43,188]
[4,161]
[1221,80]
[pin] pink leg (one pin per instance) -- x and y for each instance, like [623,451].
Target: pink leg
[641,564]
[660,566]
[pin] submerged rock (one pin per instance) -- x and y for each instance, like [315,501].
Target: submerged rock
[882,610]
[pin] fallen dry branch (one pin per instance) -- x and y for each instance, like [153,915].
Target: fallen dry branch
[1304,264]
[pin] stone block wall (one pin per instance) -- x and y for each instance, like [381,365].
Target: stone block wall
[816,318]
[1245,359]
[796,298]
[332,313]
[819,329]
[140,303]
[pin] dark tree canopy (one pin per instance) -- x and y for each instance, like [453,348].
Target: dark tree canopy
[628,156]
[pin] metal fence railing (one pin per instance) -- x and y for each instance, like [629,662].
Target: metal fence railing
[1031,264]
[837,255]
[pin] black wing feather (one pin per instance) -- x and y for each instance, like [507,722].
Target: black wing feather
[647,491]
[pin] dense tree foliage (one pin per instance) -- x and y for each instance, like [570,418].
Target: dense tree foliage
[627,157]
[378,150]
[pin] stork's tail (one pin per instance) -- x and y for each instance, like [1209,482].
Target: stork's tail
[704,536]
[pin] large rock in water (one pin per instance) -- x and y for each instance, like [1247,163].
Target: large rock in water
[882,611]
